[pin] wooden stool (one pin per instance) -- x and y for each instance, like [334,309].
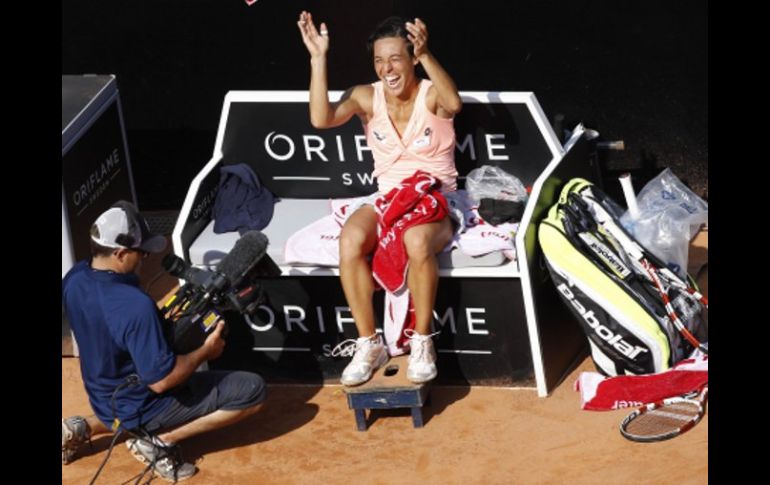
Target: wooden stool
[387,389]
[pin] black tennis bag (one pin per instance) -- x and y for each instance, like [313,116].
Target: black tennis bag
[639,316]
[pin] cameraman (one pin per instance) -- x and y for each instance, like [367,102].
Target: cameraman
[124,355]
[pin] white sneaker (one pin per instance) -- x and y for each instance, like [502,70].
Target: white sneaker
[165,459]
[422,357]
[369,354]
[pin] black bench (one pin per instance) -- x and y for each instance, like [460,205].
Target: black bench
[503,324]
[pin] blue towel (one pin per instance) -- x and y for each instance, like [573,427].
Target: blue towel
[242,202]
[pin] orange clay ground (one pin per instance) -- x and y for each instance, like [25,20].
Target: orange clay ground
[307,434]
[471,435]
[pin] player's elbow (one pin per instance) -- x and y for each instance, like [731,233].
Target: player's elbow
[454,105]
[320,117]
[319,122]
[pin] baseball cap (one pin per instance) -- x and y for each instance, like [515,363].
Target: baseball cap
[121,226]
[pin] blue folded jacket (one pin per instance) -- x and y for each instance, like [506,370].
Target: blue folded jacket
[242,202]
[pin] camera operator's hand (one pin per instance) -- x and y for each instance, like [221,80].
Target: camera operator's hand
[214,343]
[187,363]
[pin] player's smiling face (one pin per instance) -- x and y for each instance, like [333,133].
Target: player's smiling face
[393,64]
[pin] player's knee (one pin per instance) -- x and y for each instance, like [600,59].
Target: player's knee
[352,243]
[418,245]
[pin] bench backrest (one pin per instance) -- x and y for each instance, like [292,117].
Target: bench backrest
[271,131]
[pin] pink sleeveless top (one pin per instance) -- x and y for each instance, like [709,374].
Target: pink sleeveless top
[428,143]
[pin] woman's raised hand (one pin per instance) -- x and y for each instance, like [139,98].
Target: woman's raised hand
[317,43]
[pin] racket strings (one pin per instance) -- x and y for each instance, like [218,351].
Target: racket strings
[664,420]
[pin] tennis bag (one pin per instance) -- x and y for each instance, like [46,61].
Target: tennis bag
[639,316]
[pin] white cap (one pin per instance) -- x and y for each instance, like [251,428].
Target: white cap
[121,226]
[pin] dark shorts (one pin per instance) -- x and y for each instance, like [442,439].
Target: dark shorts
[209,391]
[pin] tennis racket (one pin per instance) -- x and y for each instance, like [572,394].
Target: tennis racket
[647,265]
[665,419]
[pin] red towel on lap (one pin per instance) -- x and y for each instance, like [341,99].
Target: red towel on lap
[415,201]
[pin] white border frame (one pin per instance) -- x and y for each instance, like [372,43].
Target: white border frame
[529,304]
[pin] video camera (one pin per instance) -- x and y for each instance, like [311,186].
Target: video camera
[196,306]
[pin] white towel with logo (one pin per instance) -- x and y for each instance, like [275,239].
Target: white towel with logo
[318,244]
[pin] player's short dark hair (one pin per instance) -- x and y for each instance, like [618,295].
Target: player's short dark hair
[390,27]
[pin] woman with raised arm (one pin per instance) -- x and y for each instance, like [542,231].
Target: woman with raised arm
[409,125]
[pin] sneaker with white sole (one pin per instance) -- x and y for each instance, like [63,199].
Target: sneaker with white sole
[165,459]
[422,357]
[75,432]
[369,354]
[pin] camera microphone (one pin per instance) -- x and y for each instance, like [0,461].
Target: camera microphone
[234,285]
[248,258]
[248,250]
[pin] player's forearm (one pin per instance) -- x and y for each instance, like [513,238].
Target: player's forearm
[320,109]
[446,90]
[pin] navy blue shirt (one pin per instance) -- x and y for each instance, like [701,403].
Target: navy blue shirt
[118,332]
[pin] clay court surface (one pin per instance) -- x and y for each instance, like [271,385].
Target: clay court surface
[307,434]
